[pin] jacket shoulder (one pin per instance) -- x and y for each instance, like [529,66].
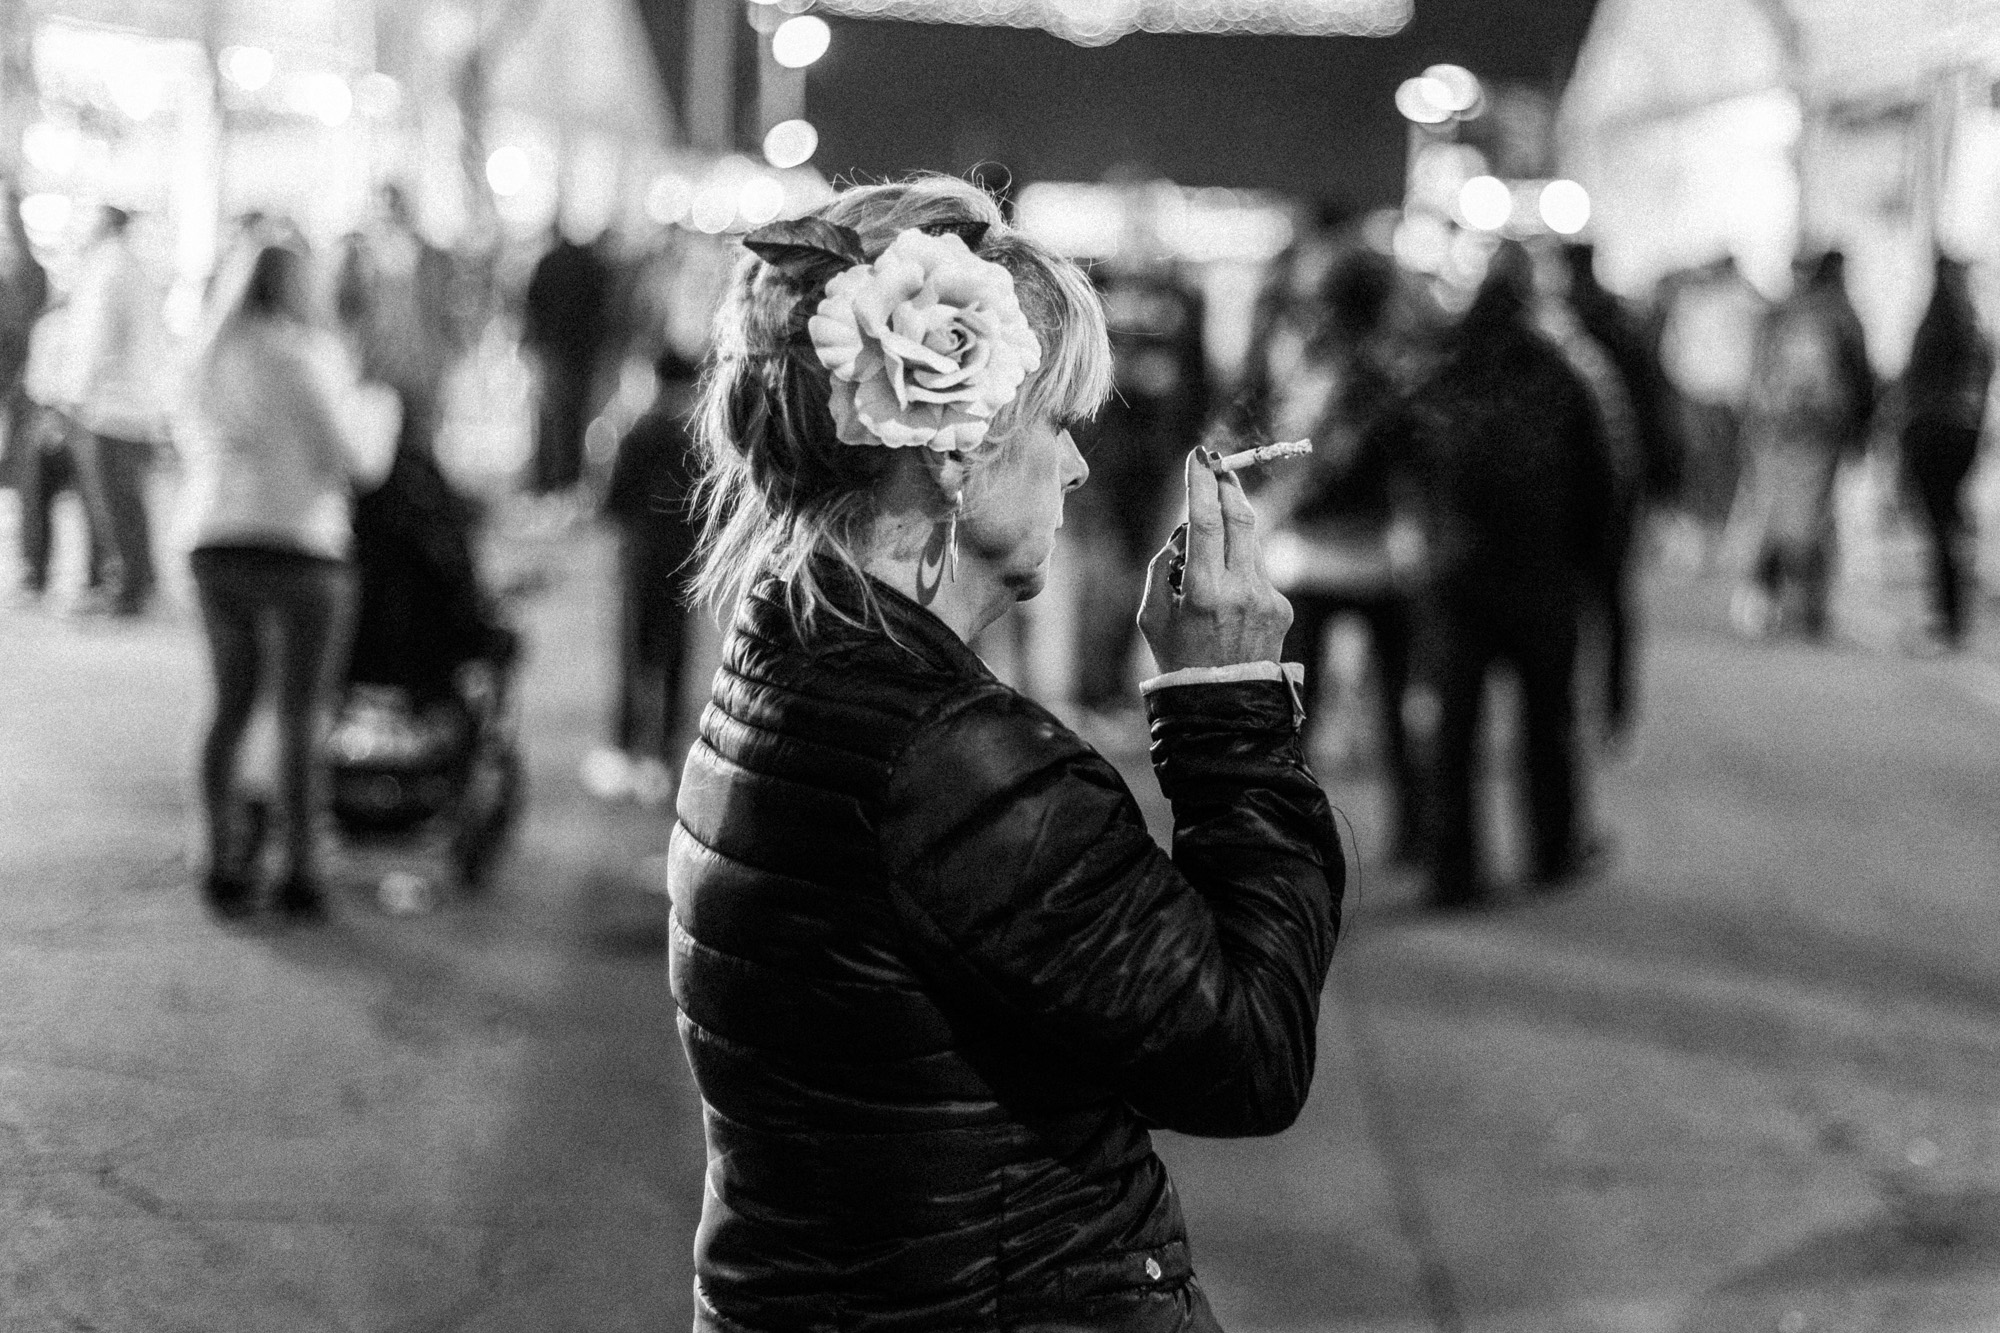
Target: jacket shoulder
[973,754]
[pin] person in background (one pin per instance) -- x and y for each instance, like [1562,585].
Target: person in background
[649,500]
[425,612]
[117,341]
[277,436]
[1631,343]
[1155,416]
[565,319]
[397,298]
[936,982]
[1611,632]
[1708,334]
[49,454]
[1944,391]
[40,462]
[24,295]
[1331,523]
[1503,450]
[1653,477]
[1265,400]
[1812,398]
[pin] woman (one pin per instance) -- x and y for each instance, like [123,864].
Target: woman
[935,981]
[278,437]
[1944,406]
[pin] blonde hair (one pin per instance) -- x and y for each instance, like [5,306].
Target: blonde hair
[779,491]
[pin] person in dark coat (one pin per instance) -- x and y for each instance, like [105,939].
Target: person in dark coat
[1632,348]
[566,317]
[24,294]
[1652,426]
[1337,514]
[1503,453]
[650,501]
[424,610]
[936,982]
[1944,408]
[48,453]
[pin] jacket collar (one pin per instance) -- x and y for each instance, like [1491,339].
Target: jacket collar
[904,631]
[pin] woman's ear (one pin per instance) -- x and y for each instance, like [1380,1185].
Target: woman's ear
[950,469]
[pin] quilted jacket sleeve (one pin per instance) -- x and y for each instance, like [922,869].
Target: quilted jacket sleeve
[1041,908]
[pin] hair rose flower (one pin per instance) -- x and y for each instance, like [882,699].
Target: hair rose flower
[926,345]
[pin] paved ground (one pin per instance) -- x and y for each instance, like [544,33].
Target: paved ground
[1747,1082]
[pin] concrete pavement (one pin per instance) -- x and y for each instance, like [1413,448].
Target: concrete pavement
[1745,1082]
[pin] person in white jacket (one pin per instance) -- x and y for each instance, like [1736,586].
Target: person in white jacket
[277,436]
[117,349]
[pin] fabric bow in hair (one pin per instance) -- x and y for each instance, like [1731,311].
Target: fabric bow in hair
[807,250]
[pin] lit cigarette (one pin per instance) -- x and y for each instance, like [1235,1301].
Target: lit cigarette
[1269,453]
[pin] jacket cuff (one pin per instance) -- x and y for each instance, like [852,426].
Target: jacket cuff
[1290,674]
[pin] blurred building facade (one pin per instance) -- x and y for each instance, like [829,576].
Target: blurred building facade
[195,112]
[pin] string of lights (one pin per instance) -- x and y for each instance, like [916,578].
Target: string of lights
[1099,22]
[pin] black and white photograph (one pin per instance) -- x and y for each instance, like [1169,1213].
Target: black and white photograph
[999,666]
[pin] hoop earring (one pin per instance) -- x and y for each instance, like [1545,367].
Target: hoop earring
[951,538]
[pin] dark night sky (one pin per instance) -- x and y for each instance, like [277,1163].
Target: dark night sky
[1307,115]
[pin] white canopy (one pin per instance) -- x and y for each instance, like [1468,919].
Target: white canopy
[1757,127]
[1646,60]
[585,65]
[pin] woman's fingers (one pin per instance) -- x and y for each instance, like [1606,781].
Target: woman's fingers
[1157,606]
[1239,522]
[1206,542]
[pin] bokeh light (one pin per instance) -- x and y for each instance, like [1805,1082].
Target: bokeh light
[669,198]
[1098,22]
[715,206]
[1423,99]
[1460,88]
[791,143]
[248,67]
[507,170]
[800,41]
[321,94]
[1485,202]
[1565,207]
[760,200]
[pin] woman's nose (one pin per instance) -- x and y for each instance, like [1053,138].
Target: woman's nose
[1076,470]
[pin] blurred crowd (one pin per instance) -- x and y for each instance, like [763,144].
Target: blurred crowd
[1490,468]
[296,429]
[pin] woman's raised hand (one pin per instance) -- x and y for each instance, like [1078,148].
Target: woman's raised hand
[1225,611]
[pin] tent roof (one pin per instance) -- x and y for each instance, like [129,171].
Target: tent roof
[585,64]
[1651,59]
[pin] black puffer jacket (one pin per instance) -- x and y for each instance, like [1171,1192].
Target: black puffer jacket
[936,981]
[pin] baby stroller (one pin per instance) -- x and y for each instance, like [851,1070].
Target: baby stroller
[425,754]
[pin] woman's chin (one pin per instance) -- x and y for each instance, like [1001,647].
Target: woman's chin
[1029,583]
